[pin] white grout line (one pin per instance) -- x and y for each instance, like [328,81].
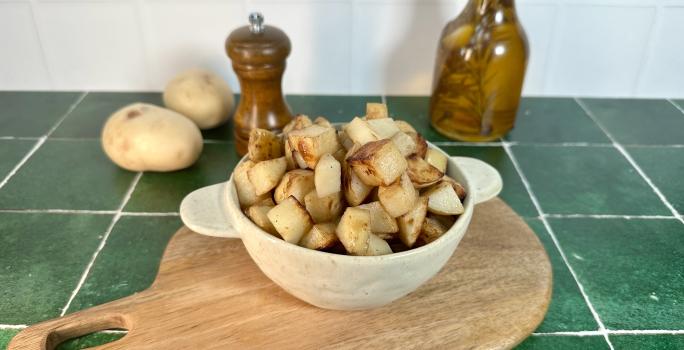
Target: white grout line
[25,138]
[630,160]
[613,332]
[675,105]
[103,241]
[383,98]
[608,216]
[58,211]
[13,326]
[549,230]
[576,334]
[41,140]
[647,331]
[128,213]
[457,143]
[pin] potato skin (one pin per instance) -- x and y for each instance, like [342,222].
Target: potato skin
[144,137]
[263,145]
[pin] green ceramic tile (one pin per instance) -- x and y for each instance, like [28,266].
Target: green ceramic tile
[89,341]
[5,336]
[630,269]
[642,122]
[514,192]
[415,110]
[163,192]
[129,261]
[11,152]
[42,257]
[87,119]
[586,180]
[563,343]
[665,167]
[67,175]
[568,312]
[335,108]
[223,132]
[652,342]
[552,120]
[32,114]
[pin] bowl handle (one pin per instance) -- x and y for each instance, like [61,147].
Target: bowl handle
[203,212]
[484,179]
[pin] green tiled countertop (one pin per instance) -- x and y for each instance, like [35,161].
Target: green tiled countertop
[599,180]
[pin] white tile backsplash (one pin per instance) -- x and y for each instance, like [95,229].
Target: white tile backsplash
[578,47]
[21,59]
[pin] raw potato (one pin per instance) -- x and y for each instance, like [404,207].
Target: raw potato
[398,198]
[263,145]
[431,230]
[436,159]
[258,214]
[405,127]
[377,246]
[324,209]
[359,131]
[321,236]
[290,219]
[143,137]
[376,110]
[383,128]
[322,122]
[295,183]
[404,143]
[422,174]
[300,121]
[381,221]
[421,144]
[378,163]
[460,190]
[328,176]
[266,175]
[354,230]
[443,200]
[411,223]
[245,190]
[355,191]
[200,95]
[313,142]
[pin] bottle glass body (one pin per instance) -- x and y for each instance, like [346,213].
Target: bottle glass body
[478,78]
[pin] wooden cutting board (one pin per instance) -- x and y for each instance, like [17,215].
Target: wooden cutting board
[209,295]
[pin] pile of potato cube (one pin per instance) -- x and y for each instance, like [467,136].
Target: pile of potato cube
[371,188]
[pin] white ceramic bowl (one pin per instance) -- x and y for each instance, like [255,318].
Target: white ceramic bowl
[334,281]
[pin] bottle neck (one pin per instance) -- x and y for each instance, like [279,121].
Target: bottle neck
[492,11]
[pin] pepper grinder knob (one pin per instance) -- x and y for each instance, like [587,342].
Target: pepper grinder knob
[256,23]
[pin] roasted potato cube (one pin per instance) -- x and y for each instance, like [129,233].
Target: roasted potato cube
[405,127]
[378,163]
[300,121]
[460,190]
[313,142]
[404,143]
[340,155]
[246,192]
[359,131]
[324,209]
[295,183]
[411,223]
[266,202]
[376,110]
[320,120]
[290,219]
[263,145]
[289,155]
[436,159]
[443,200]
[259,215]
[354,230]
[321,236]
[398,198]
[421,144]
[328,176]
[446,220]
[383,128]
[381,221]
[431,230]
[422,174]
[266,174]
[346,142]
[355,191]
[301,163]
[377,246]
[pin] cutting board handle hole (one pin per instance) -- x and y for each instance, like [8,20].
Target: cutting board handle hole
[112,327]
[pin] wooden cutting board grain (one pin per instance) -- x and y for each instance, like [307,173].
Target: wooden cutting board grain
[209,295]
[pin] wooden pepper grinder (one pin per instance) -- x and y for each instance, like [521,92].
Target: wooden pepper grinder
[258,53]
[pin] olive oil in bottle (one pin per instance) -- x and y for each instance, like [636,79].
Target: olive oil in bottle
[481,61]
